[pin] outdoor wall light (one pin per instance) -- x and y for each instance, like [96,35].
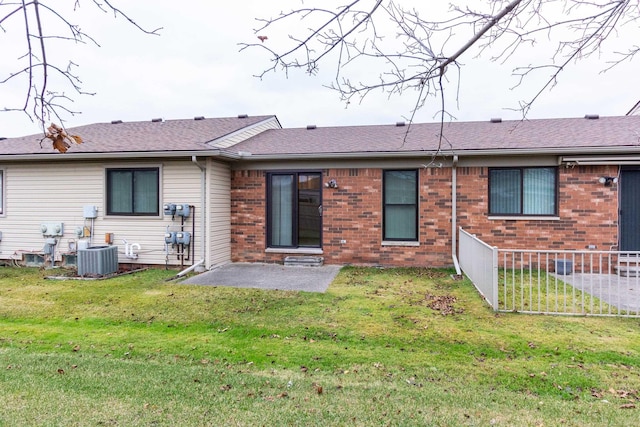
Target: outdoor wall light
[332,184]
[608,180]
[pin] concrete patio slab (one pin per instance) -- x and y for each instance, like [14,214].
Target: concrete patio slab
[618,291]
[268,276]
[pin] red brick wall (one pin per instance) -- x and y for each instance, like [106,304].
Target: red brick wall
[588,212]
[248,216]
[353,213]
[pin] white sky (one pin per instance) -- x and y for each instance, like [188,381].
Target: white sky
[195,69]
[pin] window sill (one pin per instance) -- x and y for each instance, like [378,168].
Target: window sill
[300,251]
[399,243]
[133,217]
[524,218]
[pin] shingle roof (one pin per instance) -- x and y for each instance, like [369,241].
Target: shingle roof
[552,135]
[148,136]
[543,134]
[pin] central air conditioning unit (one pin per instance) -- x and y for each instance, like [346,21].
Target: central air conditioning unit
[97,261]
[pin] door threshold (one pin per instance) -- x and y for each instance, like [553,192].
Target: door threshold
[297,251]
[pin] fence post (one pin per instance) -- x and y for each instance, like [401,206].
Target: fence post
[494,278]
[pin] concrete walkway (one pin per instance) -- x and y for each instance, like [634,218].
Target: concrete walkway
[618,291]
[268,276]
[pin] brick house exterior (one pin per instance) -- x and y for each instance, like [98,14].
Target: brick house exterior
[360,196]
[586,215]
[389,195]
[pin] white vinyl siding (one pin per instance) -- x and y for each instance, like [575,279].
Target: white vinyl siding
[40,193]
[219,223]
[181,183]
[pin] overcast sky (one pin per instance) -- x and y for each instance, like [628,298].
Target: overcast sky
[195,68]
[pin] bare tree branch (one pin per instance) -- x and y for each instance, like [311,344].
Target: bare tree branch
[117,12]
[44,99]
[423,49]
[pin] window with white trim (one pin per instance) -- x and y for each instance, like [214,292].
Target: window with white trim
[523,191]
[133,191]
[400,205]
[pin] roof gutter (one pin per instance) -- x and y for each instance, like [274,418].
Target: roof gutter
[247,156]
[601,160]
[413,154]
[119,155]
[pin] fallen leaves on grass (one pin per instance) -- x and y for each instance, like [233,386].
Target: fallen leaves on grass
[630,396]
[443,303]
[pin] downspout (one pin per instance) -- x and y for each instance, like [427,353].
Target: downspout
[454,214]
[203,215]
[190,268]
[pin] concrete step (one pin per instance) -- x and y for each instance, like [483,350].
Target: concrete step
[304,261]
[628,266]
[631,270]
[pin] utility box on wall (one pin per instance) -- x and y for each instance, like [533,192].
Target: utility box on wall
[90,212]
[55,229]
[170,237]
[183,237]
[183,210]
[169,209]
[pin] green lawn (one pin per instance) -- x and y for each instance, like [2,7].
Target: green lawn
[395,347]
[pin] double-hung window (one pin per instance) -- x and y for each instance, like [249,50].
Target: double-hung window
[523,191]
[400,210]
[133,191]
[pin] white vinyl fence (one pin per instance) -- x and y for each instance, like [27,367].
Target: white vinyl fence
[479,262]
[594,283]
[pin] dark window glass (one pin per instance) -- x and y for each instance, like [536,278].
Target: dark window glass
[294,209]
[400,211]
[133,191]
[523,191]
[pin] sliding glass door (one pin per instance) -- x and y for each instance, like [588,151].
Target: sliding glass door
[294,209]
